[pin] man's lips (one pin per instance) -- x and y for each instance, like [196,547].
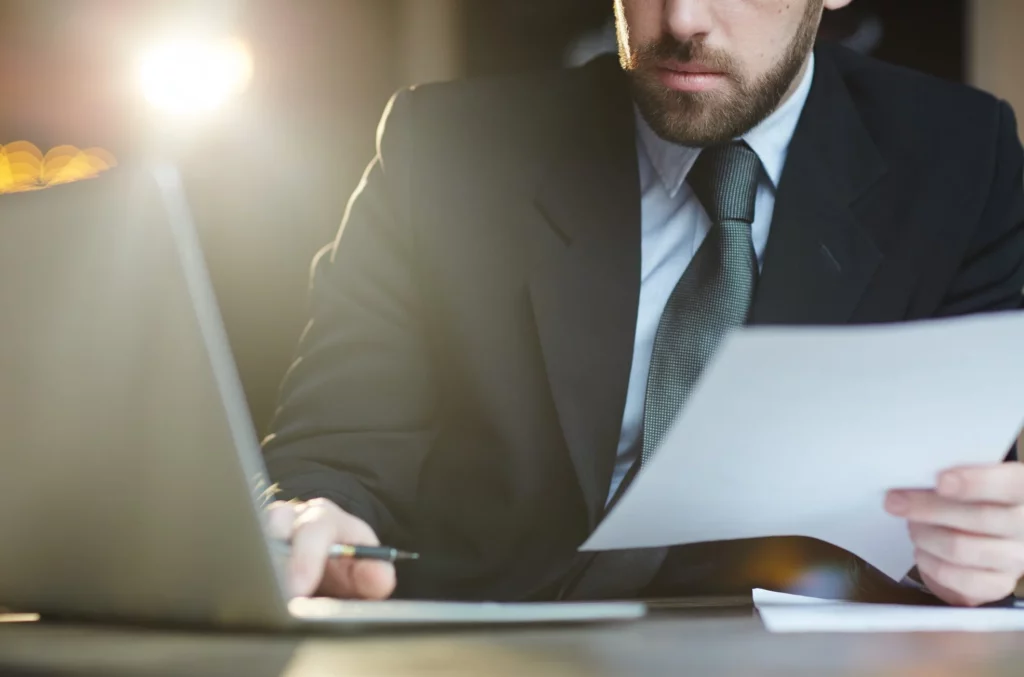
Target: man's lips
[688,67]
[689,77]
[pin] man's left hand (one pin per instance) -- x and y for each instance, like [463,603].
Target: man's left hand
[968,533]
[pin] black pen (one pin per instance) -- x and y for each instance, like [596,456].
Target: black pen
[383,554]
[368,552]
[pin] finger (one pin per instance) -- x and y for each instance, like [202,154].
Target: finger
[970,550]
[1001,483]
[963,586]
[927,507]
[311,540]
[348,529]
[280,518]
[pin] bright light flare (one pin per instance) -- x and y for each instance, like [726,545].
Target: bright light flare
[193,77]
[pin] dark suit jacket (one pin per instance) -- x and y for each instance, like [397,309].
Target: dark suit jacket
[462,382]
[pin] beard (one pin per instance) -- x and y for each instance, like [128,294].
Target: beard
[702,119]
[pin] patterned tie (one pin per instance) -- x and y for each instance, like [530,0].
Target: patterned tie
[714,294]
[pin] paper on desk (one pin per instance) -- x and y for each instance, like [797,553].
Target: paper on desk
[793,613]
[800,432]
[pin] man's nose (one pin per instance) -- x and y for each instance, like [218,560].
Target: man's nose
[688,19]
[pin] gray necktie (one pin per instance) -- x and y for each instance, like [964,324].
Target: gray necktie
[712,297]
[714,294]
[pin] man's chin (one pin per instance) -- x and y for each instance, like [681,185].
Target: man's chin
[687,118]
[694,125]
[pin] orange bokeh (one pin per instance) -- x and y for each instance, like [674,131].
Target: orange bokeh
[23,167]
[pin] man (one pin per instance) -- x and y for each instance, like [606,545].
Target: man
[534,270]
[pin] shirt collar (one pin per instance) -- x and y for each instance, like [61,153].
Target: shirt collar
[770,140]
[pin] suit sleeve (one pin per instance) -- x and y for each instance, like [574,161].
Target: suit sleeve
[991,275]
[354,419]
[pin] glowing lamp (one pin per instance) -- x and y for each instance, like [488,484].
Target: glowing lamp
[194,77]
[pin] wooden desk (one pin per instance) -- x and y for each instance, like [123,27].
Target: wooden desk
[704,643]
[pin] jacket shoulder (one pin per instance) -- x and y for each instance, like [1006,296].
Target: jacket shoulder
[903,104]
[499,129]
[509,112]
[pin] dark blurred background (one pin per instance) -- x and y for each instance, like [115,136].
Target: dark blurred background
[269,179]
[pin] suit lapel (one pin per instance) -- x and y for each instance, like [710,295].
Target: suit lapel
[585,293]
[820,257]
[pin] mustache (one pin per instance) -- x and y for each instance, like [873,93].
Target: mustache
[669,49]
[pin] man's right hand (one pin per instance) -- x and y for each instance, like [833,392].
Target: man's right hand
[312,528]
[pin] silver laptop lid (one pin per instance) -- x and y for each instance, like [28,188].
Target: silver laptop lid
[129,467]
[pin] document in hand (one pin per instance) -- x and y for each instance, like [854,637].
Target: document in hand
[801,431]
[792,613]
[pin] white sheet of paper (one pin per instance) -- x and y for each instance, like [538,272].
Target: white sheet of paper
[792,613]
[801,431]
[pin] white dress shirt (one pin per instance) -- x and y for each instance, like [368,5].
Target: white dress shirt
[673,226]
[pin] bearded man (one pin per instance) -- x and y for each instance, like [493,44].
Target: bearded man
[535,269]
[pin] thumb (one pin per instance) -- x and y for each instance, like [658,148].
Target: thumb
[359,579]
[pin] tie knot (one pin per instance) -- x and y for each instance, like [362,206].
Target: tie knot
[724,179]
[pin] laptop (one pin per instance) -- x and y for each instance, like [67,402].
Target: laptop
[131,477]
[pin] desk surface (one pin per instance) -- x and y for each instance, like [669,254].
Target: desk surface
[719,643]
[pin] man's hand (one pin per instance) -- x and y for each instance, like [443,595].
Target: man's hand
[312,528]
[968,533]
